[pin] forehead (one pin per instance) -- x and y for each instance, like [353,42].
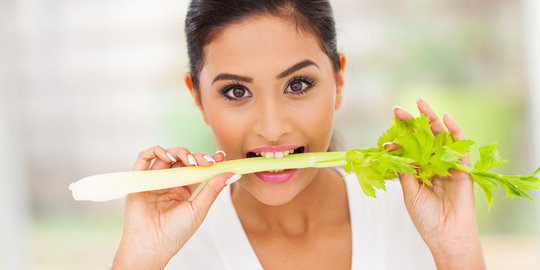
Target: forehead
[266,43]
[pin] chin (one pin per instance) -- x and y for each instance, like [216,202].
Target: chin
[272,199]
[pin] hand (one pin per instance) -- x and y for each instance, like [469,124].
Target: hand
[444,214]
[158,223]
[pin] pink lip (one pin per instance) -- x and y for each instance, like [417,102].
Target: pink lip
[274,148]
[278,177]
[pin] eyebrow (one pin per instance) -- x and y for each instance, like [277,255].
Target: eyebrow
[293,68]
[228,76]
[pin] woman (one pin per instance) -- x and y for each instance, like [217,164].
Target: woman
[267,79]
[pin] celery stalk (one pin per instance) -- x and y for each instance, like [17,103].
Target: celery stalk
[110,186]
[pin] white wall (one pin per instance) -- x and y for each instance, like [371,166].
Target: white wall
[13,196]
[13,199]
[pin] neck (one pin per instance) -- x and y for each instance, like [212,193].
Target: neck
[322,202]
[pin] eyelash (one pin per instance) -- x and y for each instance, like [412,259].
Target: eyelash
[228,87]
[309,81]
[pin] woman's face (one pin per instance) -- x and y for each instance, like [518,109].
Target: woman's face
[267,87]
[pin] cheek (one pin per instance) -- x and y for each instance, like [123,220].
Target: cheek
[317,121]
[227,128]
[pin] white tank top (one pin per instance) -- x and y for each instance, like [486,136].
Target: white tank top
[383,236]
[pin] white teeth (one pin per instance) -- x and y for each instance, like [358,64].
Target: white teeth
[275,171]
[275,154]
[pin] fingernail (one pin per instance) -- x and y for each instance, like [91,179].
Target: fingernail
[232,179]
[419,99]
[220,151]
[192,160]
[209,158]
[395,107]
[171,157]
[386,144]
[446,114]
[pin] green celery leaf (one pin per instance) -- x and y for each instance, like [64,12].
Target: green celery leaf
[427,156]
[390,134]
[461,146]
[487,185]
[536,172]
[489,158]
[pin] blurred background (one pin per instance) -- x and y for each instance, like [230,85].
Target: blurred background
[86,85]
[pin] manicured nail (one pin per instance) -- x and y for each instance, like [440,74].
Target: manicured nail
[209,158]
[171,157]
[395,108]
[192,160]
[386,144]
[232,179]
[220,151]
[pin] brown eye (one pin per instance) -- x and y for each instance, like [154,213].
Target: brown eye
[237,92]
[297,87]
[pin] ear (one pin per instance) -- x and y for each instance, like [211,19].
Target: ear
[195,94]
[340,81]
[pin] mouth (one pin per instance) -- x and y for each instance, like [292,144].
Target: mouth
[275,176]
[274,152]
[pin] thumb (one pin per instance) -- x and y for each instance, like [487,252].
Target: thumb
[201,204]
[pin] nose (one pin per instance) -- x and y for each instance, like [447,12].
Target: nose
[272,120]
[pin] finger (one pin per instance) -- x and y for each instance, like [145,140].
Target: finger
[181,154]
[454,129]
[409,185]
[452,126]
[175,154]
[390,146]
[201,161]
[145,157]
[435,124]
[219,155]
[402,114]
[160,164]
[209,158]
[210,191]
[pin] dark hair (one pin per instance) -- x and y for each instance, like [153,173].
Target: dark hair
[205,18]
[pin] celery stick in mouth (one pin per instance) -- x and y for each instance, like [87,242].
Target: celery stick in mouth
[110,186]
[422,154]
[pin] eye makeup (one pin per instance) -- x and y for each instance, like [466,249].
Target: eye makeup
[227,92]
[306,82]
[232,91]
